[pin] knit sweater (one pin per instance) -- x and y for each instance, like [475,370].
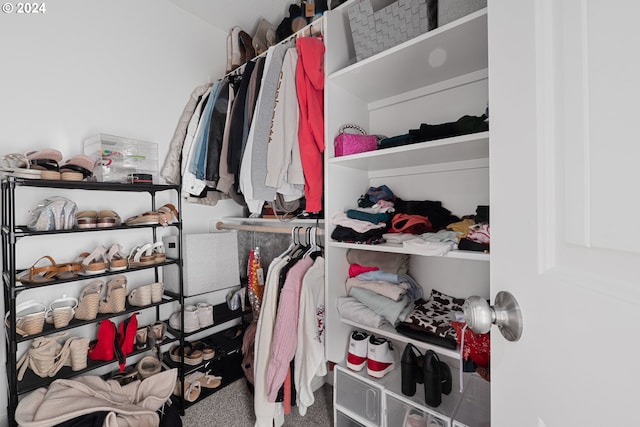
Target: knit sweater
[285,333]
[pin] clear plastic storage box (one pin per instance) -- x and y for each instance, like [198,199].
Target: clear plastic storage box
[116,159]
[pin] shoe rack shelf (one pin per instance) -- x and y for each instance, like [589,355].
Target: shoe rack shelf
[221,314]
[12,232]
[31,381]
[226,363]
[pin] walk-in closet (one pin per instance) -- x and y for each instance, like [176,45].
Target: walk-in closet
[369,213]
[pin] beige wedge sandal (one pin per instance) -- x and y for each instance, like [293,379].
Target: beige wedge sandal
[90,300]
[116,298]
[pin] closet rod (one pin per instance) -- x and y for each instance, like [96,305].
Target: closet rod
[265,229]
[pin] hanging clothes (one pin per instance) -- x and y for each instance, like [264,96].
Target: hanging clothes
[226,178]
[284,164]
[263,116]
[171,169]
[267,413]
[285,334]
[310,87]
[244,175]
[309,360]
[255,286]
[215,135]
[236,121]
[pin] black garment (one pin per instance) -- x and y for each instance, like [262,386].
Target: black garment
[439,216]
[236,121]
[216,131]
[169,415]
[464,125]
[349,235]
[250,102]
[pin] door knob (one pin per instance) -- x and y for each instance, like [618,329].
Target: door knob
[505,313]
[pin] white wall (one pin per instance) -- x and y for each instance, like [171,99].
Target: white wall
[103,66]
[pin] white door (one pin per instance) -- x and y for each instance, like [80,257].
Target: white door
[564,96]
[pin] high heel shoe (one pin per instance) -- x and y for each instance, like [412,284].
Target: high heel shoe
[90,300]
[115,300]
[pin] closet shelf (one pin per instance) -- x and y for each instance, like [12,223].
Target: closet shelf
[75,323]
[23,287]
[32,382]
[399,249]
[100,186]
[23,230]
[473,146]
[389,332]
[455,49]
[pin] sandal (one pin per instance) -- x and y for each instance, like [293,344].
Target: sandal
[94,262]
[87,219]
[208,352]
[30,317]
[141,256]
[140,296]
[192,356]
[90,300]
[61,311]
[158,252]
[205,380]
[108,218]
[147,218]
[42,274]
[116,258]
[69,270]
[148,366]
[191,391]
[115,300]
[169,212]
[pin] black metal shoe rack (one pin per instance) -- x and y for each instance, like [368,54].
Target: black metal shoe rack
[12,232]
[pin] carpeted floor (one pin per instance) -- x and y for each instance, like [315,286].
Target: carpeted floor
[233,407]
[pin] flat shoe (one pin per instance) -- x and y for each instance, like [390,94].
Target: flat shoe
[191,391]
[45,154]
[42,274]
[108,218]
[205,380]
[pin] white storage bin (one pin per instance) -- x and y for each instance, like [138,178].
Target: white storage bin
[210,263]
[344,421]
[474,408]
[358,396]
[116,158]
[399,412]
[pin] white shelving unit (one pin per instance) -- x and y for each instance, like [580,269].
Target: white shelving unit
[437,77]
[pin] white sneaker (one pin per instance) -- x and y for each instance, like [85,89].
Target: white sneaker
[380,357]
[191,323]
[357,355]
[205,314]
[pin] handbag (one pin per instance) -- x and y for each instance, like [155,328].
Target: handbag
[353,143]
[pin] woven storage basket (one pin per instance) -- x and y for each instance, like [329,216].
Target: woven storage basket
[375,31]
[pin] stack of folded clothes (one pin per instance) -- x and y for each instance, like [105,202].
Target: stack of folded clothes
[367,222]
[379,289]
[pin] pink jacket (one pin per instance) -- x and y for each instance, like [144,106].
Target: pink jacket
[310,88]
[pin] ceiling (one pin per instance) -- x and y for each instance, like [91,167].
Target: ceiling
[224,14]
